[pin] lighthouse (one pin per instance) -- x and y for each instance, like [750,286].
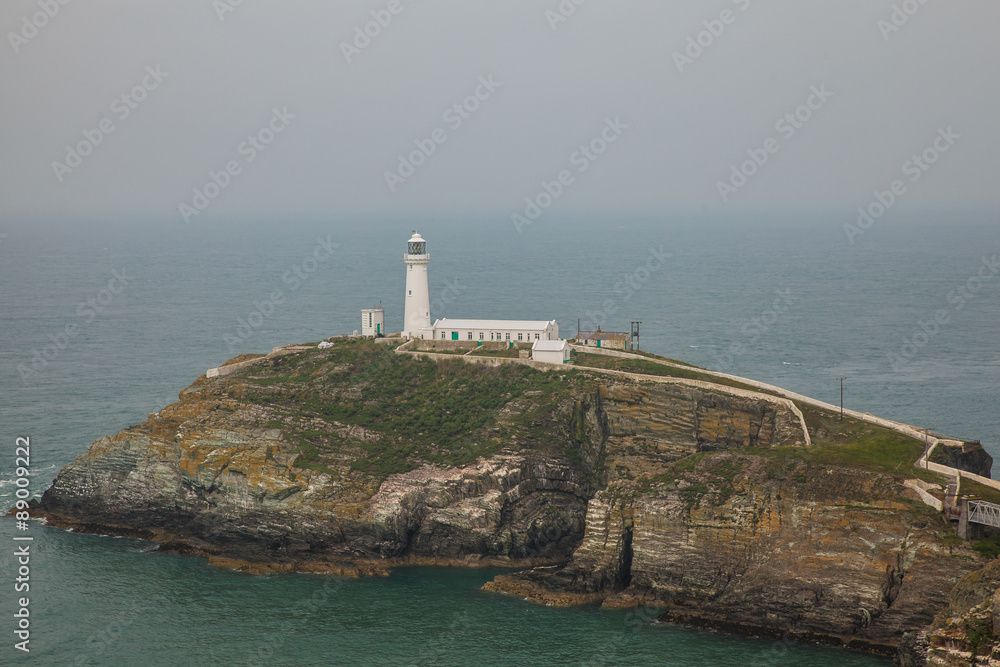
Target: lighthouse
[417,311]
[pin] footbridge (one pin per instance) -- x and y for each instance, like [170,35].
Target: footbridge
[985,513]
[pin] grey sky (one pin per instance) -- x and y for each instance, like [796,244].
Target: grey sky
[891,93]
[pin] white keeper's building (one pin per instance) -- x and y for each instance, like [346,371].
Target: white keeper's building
[508,331]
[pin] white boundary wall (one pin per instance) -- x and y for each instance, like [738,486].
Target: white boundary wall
[905,429]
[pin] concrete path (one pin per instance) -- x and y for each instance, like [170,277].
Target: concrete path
[905,429]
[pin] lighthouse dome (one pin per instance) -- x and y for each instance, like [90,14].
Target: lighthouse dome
[416,245]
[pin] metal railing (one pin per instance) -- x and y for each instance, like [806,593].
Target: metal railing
[984,513]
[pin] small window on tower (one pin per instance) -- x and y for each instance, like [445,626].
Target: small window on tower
[411,292]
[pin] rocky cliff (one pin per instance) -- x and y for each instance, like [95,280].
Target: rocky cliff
[966,631]
[704,500]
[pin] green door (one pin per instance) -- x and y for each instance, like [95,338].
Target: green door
[454,335]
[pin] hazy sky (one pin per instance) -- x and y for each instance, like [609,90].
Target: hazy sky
[201,77]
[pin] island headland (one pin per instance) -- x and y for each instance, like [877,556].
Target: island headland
[623,479]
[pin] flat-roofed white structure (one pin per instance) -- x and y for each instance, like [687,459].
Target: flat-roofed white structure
[373,322]
[552,351]
[483,331]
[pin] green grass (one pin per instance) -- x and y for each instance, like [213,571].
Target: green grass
[987,493]
[433,350]
[241,358]
[511,353]
[415,410]
[586,359]
[693,493]
[988,548]
[849,444]
[706,476]
[450,412]
[673,361]
[505,352]
[852,442]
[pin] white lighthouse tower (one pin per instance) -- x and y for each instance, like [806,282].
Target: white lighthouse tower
[417,311]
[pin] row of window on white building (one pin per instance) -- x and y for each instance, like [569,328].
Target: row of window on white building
[482,336]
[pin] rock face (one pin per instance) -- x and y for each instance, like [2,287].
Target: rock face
[809,558]
[232,497]
[667,422]
[204,475]
[968,456]
[966,631]
[701,501]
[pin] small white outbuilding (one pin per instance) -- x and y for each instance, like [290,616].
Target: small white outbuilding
[552,351]
[373,322]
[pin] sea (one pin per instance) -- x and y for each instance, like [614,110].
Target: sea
[102,323]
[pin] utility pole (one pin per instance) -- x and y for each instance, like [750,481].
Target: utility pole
[927,442]
[841,398]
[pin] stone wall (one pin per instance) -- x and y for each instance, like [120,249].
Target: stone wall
[611,344]
[427,345]
[228,369]
[905,429]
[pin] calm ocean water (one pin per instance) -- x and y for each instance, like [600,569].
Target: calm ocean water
[844,310]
